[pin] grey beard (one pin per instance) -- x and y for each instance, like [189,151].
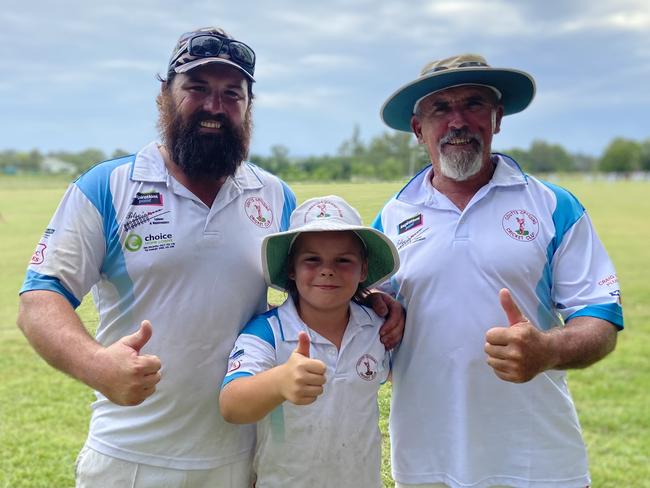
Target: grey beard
[461,166]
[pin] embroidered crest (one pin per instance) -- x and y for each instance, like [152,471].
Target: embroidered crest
[234,365]
[259,212]
[322,209]
[39,254]
[521,225]
[367,367]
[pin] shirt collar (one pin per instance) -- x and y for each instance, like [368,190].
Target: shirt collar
[291,323]
[419,190]
[149,166]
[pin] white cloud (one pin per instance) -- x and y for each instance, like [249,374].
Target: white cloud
[126,64]
[329,61]
[315,98]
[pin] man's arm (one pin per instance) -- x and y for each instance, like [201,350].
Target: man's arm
[521,351]
[300,380]
[118,371]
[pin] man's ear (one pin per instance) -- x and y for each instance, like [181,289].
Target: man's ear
[416,127]
[496,121]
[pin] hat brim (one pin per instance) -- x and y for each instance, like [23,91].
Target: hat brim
[184,68]
[383,259]
[517,91]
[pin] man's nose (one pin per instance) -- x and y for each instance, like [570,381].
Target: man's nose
[457,119]
[213,103]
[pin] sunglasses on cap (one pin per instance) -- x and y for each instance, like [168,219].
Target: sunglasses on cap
[211,45]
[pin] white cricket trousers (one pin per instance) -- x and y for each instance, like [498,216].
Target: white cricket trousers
[97,470]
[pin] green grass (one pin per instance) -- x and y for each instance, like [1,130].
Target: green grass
[44,414]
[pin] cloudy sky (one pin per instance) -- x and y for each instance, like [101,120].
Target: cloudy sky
[79,74]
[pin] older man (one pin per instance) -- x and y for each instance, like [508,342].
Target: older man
[506,286]
[168,238]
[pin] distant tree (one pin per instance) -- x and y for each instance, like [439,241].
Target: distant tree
[584,162]
[621,156]
[353,147]
[82,160]
[546,158]
[22,161]
[644,158]
[397,148]
[118,153]
[522,157]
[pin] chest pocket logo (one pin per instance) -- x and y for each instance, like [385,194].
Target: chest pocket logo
[259,212]
[521,225]
[367,367]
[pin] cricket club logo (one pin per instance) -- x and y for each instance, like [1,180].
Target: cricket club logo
[259,212]
[521,225]
[323,209]
[39,254]
[367,367]
[233,365]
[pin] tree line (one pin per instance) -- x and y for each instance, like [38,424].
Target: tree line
[389,156]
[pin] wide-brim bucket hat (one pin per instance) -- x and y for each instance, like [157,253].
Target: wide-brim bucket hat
[515,89]
[323,214]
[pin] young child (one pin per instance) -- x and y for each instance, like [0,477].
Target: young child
[309,371]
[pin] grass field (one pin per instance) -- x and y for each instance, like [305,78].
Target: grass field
[44,414]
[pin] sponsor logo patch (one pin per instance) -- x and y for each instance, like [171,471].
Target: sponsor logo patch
[237,354]
[609,281]
[417,236]
[259,212]
[133,242]
[410,223]
[521,225]
[617,294]
[151,242]
[148,198]
[367,367]
[136,219]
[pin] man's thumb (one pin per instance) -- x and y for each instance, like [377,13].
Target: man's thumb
[510,307]
[303,344]
[139,338]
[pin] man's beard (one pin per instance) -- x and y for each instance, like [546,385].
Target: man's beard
[461,164]
[207,155]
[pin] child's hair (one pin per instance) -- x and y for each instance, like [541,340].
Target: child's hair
[359,296]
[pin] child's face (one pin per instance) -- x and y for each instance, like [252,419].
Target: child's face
[327,269]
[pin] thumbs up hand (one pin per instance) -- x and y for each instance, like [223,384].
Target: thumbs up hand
[123,375]
[303,378]
[520,351]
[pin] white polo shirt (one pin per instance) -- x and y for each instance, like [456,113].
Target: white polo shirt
[149,249]
[334,441]
[452,419]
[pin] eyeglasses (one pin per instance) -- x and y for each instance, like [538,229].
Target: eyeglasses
[212,46]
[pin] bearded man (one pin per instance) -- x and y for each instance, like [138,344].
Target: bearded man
[506,286]
[168,241]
